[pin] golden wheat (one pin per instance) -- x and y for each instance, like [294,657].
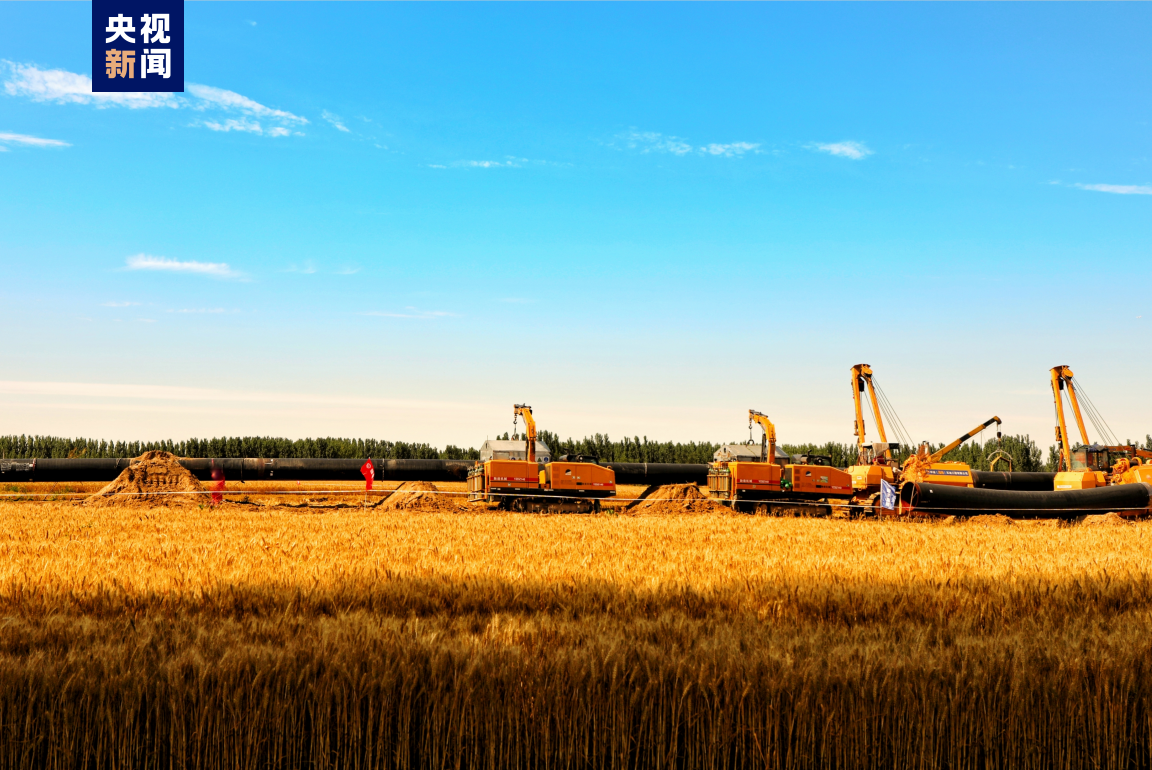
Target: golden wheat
[248,636]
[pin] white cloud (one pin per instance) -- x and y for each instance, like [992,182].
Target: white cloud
[230,100]
[1118,189]
[411,312]
[335,120]
[651,141]
[853,150]
[63,87]
[31,141]
[120,304]
[246,125]
[66,87]
[730,150]
[164,264]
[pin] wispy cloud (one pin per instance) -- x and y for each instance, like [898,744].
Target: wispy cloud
[852,150]
[246,125]
[729,150]
[120,304]
[66,87]
[230,100]
[509,161]
[348,271]
[164,264]
[63,87]
[411,312]
[336,121]
[307,269]
[30,141]
[653,142]
[1117,189]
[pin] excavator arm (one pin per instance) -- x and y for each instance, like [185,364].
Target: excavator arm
[768,442]
[525,411]
[938,454]
[861,379]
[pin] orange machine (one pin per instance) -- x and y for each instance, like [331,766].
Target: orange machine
[755,486]
[924,467]
[1092,465]
[573,484]
[874,462]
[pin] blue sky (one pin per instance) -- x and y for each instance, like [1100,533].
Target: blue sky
[396,220]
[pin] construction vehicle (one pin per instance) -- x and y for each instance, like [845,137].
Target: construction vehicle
[760,487]
[928,468]
[874,462]
[572,484]
[1092,465]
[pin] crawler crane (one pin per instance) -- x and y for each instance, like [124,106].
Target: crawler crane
[1092,465]
[574,484]
[756,486]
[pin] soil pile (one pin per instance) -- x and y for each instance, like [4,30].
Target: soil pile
[420,496]
[153,479]
[1106,520]
[677,498]
[991,520]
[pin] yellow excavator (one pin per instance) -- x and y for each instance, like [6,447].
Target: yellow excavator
[1092,465]
[929,468]
[572,484]
[755,486]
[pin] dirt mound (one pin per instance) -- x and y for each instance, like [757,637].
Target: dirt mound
[677,498]
[420,496]
[153,479]
[991,520]
[1106,520]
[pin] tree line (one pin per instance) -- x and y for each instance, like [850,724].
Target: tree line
[1025,454]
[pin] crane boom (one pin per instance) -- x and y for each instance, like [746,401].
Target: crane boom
[861,379]
[768,441]
[1061,380]
[525,411]
[939,453]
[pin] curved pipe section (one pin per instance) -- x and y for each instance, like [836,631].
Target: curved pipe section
[1063,504]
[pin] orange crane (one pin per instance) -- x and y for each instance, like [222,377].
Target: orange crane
[924,467]
[873,462]
[572,484]
[754,486]
[1092,465]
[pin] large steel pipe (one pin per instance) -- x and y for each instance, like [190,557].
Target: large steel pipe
[1024,481]
[71,469]
[321,469]
[1063,504]
[660,473]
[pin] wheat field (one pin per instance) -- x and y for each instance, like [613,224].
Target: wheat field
[260,636]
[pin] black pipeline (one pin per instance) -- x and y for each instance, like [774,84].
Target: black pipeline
[1062,504]
[317,469]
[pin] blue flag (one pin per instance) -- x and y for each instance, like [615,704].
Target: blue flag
[887,496]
